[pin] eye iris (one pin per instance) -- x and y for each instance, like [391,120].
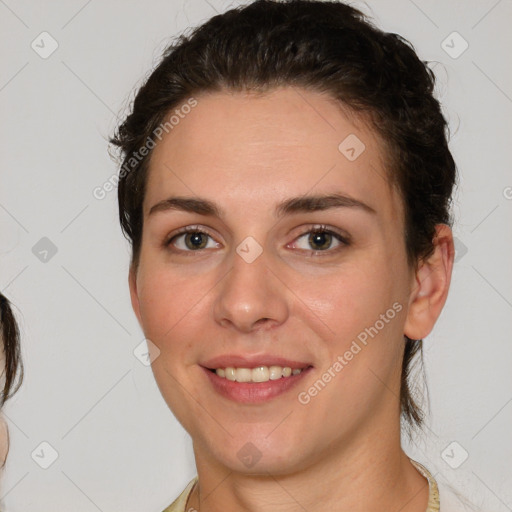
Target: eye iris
[195,240]
[320,238]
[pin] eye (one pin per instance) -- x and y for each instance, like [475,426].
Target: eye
[191,239]
[321,239]
[316,240]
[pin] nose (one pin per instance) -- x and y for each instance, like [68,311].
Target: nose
[251,297]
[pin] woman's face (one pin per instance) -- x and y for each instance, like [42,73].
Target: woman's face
[254,284]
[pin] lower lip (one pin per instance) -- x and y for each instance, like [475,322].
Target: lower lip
[254,392]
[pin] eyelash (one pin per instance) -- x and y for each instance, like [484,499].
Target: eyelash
[343,239]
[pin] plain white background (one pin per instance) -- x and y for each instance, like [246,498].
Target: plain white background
[92,403]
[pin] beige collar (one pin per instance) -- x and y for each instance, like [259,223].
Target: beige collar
[433,491]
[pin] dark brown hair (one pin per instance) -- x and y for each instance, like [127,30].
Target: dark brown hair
[10,337]
[322,46]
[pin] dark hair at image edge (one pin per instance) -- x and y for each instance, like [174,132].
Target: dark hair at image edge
[322,46]
[10,337]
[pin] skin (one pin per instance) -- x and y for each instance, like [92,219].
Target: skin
[247,153]
[4,442]
[4,433]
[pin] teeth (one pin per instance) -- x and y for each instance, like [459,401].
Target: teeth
[258,374]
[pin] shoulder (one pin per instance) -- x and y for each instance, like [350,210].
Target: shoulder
[179,504]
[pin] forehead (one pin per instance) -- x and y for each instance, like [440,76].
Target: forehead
[254,150]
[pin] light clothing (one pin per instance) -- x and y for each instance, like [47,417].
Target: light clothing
[433,495]
[179,504]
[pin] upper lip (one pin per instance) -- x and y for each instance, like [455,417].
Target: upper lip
[252,361]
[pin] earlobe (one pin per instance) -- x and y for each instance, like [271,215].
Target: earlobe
[430,289]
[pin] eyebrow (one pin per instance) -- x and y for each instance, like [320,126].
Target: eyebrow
[308,203]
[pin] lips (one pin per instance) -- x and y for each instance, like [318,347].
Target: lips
[253,361]
[254,392]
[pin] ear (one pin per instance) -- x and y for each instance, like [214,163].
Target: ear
[431,284]
[134,296]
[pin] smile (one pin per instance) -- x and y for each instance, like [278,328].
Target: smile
[254,385]
[258,374]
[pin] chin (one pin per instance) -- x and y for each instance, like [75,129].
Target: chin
[257,453]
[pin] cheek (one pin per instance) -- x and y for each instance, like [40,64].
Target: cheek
[351,299]
[363,307]
[176,312]
[166,299]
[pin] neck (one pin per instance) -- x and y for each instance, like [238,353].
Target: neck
[369,473]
